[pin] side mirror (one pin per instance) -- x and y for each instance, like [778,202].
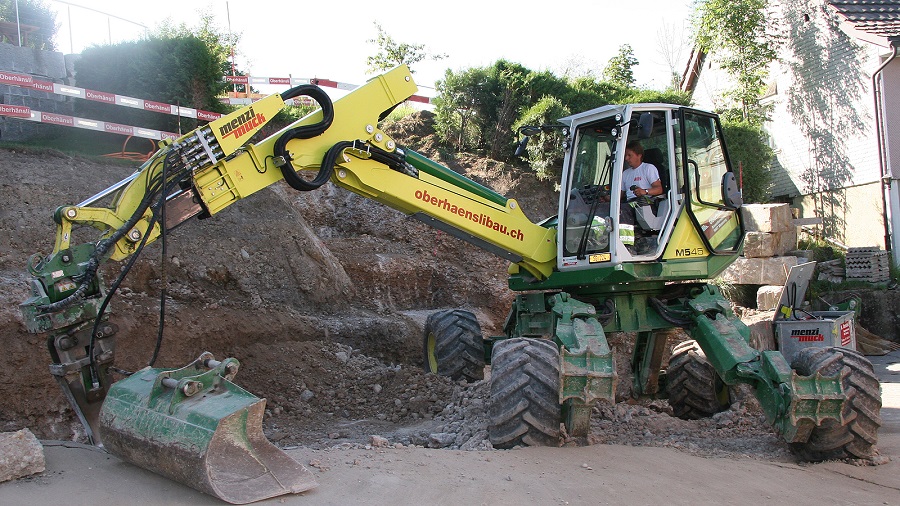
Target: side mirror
[645,126]
[521,147]
[731,193]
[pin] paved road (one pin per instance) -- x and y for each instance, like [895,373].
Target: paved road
[598,474]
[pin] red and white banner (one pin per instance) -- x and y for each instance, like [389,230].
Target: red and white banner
[19,111]
[26,81]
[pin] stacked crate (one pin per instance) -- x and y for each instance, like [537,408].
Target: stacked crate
[868,264]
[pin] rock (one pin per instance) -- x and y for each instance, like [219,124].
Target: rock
[769,244]
[767,217]
[378,442]
[342,357]
[767,297]
[21,454]
[759,271]
[307,395]
[441,439]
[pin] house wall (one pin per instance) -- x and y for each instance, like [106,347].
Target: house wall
[861,219]
[823,117]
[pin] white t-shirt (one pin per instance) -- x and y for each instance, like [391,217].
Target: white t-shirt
[643,176]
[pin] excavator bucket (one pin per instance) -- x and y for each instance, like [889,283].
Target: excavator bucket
[194,426]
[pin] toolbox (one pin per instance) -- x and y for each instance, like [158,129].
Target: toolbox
[797,328]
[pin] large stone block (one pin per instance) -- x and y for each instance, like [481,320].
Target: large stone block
[769,244]
[21,454]
[767,297]
[767,218]
[759,271]
[762,329]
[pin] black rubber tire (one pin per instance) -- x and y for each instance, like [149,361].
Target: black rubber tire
[524,409]
[857,437]
[695,389]
[453,345]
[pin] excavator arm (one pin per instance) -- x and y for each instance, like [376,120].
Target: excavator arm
[212,167]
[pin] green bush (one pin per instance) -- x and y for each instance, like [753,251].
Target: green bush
[545,154]
[751,155]
[180,70]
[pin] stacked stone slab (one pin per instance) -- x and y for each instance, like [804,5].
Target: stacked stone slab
[759,271]
[770,235]
[770,230]
[868,264]
[42,65]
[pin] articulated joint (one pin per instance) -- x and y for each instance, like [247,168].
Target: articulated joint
[587,368]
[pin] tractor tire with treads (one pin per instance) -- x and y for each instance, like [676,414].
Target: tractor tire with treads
[862,413]
[524,409]
[695,389]
[453,345]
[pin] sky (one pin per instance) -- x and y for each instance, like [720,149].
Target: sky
[281,38]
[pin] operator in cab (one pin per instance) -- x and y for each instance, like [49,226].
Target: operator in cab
[640,182]
[640,178]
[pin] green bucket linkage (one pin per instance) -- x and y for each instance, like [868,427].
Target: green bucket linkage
[194,426]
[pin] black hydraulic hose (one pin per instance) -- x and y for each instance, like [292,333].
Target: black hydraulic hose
[162,267]
[159,186]
[304,132]
[396,161]
[667,314]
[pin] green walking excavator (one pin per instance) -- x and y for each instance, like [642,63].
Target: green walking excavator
[603,264]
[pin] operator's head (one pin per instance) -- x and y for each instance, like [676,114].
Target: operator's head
[634,153]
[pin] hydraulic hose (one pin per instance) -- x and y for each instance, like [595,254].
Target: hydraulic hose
[305,132]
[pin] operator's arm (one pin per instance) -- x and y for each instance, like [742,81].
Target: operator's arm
[655,189]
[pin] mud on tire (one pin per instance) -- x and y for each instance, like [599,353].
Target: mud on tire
[695,389]
[453,345]
[524,407]
[857,438]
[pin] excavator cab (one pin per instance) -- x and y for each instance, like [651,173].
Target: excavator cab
[599,227]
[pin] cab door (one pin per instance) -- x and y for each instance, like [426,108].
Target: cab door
[713,196]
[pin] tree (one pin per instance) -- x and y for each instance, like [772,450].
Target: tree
[736,33]
[177,70]
[476,108]
[619,68]
[673,42]
[392,53]
[32,13]
[221,44]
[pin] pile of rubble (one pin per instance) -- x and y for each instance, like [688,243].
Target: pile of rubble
[400,406]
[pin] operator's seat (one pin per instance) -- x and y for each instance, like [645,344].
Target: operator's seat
[653,216]
[655,157]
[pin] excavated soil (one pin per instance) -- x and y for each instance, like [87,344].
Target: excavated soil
[322,297]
